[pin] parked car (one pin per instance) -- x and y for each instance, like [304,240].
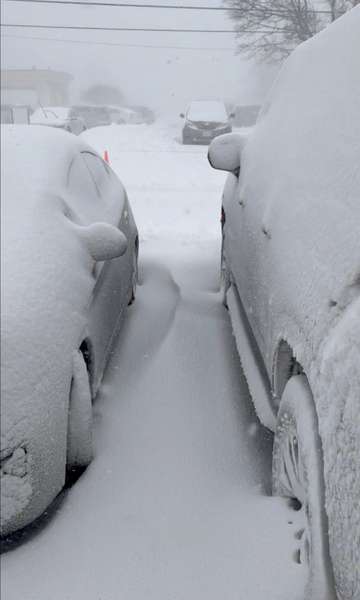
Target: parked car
[93,116]
[116,115]
[131,116]
[204,120]
[146,114]
[121,115]
[291,278]
[15,114]
[69,268]
[60,117]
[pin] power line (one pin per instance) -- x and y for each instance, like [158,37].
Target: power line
[89,42]
[269,11]
[142,29]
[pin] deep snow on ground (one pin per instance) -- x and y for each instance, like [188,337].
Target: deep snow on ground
[175,505]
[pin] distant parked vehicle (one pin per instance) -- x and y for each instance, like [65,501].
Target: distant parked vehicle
[146,114]
[290,271]
[69,267]
[205,120]
[60,117]
[12,114]
[131,116]
[123,115]
[116,115]
[93,116]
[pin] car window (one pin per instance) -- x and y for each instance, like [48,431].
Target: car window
[98,171]
[84,196]
[106,201]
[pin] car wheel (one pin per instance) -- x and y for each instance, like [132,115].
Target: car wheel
[225,279]
[79,444]
[298,475]
[134,278]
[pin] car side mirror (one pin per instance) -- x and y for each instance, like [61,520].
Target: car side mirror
[225,153]
[182,115]
[232,115]
[104,241]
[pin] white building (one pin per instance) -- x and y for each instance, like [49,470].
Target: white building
[34,87]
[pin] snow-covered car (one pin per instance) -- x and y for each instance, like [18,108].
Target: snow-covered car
[69,267]
[291,278]
[147,115]
[122,114]
[93,116]
[60,117]
[205,120]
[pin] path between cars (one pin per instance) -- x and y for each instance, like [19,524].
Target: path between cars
[175,504]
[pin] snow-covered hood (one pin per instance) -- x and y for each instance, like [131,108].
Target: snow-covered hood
[56,117]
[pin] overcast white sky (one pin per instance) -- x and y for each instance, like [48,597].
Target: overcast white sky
[165,78]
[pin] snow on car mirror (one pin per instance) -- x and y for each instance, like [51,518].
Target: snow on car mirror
[224,152]
[104,241]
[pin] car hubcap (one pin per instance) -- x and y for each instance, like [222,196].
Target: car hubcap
[293,482]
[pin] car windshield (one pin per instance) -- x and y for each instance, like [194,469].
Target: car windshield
[207,111]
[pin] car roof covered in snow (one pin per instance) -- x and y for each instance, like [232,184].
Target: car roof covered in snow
[41,154]
[313,112]
[207,110]
[302,157]
[35,161]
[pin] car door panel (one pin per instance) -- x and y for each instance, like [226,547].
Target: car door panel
[251,246]
[101,197]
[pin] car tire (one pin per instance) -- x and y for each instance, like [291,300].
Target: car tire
[80,420]
[298,475]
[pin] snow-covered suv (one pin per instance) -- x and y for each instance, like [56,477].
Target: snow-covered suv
[291,280]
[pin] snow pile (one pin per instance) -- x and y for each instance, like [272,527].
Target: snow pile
[300,185]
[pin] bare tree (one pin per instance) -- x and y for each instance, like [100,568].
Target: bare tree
[270,29]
